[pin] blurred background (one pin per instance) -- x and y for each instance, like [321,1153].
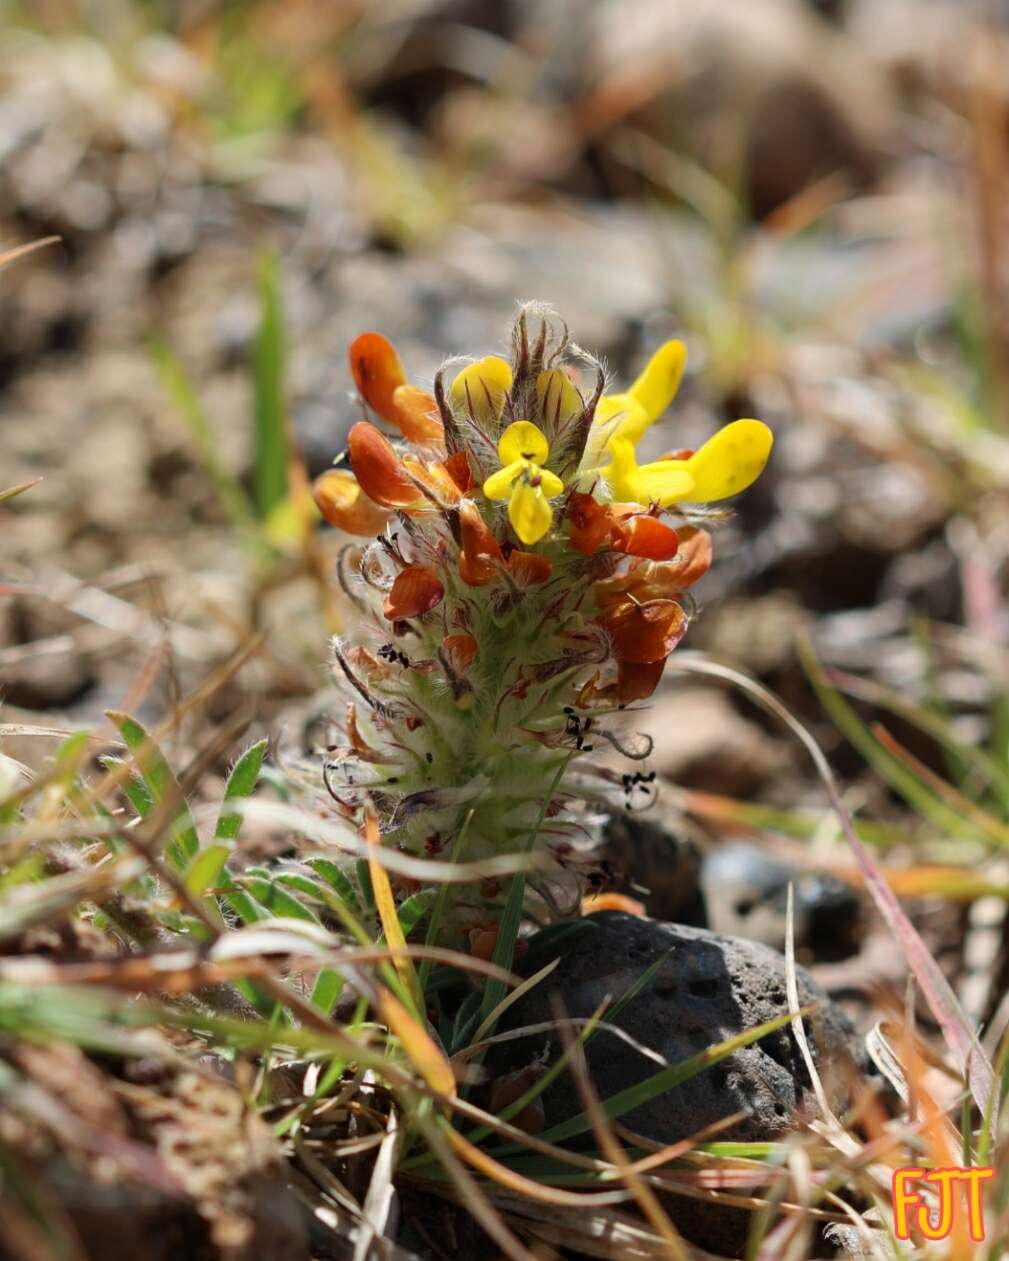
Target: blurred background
[812,195]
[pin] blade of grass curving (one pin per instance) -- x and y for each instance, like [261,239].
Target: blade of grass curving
[529,983]
[903,781]
[180,389]
[423,1052]
[994,829]
[13,491]
[270,443]
[17,252]
[385,904]
[943,1003]
[667,1078]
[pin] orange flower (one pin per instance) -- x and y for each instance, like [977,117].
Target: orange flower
[612,901]
[416,591]
[636,681]
[529,569]
[642,535]
[694,556]
[416,415]
[344,504]
[644,633]
[379,470]
[480,550]
[377,373]
[460,470]
[591,523]
[460,651]
[482,941]
[381,382]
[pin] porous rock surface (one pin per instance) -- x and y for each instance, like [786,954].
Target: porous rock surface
[707,988]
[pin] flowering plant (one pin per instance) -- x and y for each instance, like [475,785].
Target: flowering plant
[527,577]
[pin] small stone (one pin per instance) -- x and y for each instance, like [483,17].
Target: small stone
[746,894]
[707,988]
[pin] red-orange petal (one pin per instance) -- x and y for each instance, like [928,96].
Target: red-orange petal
[591,523]
[461,471]
[529,569]
[377,373]
[637,680]
[644,633]
[695,556]
[416,591]
[612,901]
[480,550]
[379,470]
[416,415]
[343,503]
[645,536]
[460,650]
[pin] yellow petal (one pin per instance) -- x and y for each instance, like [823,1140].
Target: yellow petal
[663,482]
[730,461]
[522,440]
[480,389]
[550,483]
[499,484]
[616,415]
[655,389]
[557,397]
[529,512]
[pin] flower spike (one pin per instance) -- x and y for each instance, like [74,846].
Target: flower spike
[525,584]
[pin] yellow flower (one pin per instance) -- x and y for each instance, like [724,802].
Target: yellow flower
[726,464]
[523,480]
[480,389]
[628,415]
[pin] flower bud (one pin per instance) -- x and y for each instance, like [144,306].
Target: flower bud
[379,470]
[529,569]
[377,372]
[644,536]
[343,503]
[480,550]
[415,592]
[416,415]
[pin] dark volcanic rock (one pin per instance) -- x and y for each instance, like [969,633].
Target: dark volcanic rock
[707,988]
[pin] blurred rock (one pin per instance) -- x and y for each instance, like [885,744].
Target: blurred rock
[745,893]
[770,83]
[707,988]
[643,858]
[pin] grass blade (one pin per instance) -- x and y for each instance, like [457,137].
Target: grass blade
[270,445]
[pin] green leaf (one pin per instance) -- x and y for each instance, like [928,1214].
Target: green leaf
[160,781]
[334,876]
[206,869]
[413,909]
[241,783]
[275,899]
[326,990]
[270,446]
